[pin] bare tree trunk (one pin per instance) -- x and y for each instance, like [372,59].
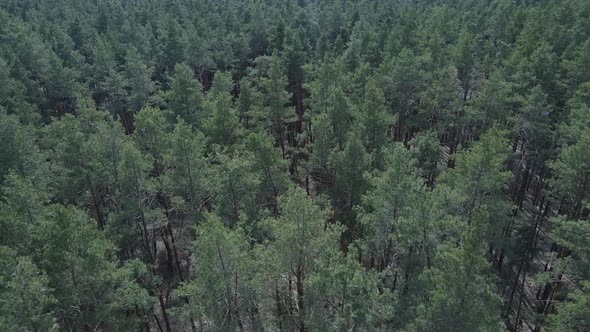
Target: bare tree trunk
[164,313]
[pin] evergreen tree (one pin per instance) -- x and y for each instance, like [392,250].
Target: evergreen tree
[572,315]
[340,116]
[301,236]
[348,168]
[19,151]
[478,179]
[221,293]
[248,102]
[130,130]
[26,298]
[89,288]
[234,185]
[428,153]
[321,150]
[459,292]
[222,126]
[152,135]
[272,169]
[172,45]
[185,97]
[387,203]
[187,178]
[344,295]
[405,81]
[375,120]
[276,101]
[138,76]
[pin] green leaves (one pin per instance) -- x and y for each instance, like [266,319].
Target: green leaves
[348,168]
[375,119]
[459,289]
[234,186]
[344,295]
[300,237]
[221,291]
[186,179]
[18,151]
[26,300]
[573,314]
[276,112]
[81,269]
[272,169]
[185,98]
[386,203]
[479,177]
[572,170]
[222,125]
[162,148]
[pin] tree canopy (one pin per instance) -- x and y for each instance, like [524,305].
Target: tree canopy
[294,165]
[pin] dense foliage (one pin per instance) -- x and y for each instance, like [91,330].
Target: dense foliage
[282,165]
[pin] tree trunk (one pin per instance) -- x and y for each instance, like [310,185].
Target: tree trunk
[164,314]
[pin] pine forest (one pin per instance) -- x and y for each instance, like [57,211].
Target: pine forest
[294,165]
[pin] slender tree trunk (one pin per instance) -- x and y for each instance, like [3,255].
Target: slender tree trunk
[300,299]
[164,313]
[279,308]
[169,260]
[158,323]
[516,321]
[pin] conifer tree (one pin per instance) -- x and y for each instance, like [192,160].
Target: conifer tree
[301,236]
[26,298]
[459,292]
[349,168]
[185,97]
[375,120]
[222,125]
[187,178]
[221,294]
[276,112]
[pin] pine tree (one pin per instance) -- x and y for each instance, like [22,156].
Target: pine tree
[301,236]
[172,45]
[26,298]
[138,76]
[276,111]
[116,101]
[234,188]
[221,293]
[348,168]
[572,315]
[271,169]
[440,109]
[185,97]
[187,178]
[375,120]
[459,290]
[478,179]
[89,288]
[222,126]
[343,295]
[18,152]
[321,149]
[151,135]
[340,115]
[428,153]
[387,203]
[134,193]
[248,102]
[405,79]
[572,172]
